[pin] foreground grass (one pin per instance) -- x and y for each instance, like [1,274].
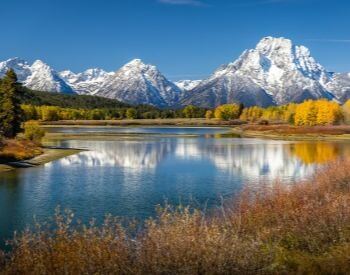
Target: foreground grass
[304,228]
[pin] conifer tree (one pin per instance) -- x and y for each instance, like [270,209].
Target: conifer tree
[10,109]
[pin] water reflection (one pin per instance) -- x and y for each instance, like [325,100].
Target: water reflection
[318,152]
[127,154]
[252,159]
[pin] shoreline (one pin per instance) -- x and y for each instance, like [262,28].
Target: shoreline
[194,122]
[293,137]
[295,133]
[49,154]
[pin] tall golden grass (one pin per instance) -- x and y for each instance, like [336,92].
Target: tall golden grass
[303,228]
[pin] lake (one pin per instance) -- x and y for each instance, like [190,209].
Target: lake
[133,169]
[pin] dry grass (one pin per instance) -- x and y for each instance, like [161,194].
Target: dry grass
[19,149]
[300,229]
[290,130]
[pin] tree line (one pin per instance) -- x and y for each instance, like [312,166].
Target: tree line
[307,113]
[54,113]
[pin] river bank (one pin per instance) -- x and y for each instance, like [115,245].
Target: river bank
[48,155]
[142,122]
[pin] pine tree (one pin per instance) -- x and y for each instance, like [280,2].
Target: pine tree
[10,108]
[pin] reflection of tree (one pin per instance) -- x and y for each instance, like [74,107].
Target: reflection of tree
[315,153]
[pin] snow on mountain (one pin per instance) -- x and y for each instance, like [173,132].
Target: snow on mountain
[87,82]
[339,85]
[275,72]
[187,85]
[20,66]
[138,83]
[38,76]
[43,78]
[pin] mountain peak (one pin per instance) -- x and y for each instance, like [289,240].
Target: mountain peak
[276,47]
[278,41]
[140,83]
[40,65]
[277,71]
[136,63]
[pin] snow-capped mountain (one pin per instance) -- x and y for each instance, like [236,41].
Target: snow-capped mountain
[275,72]
[20,66]
[38,76]
[339,85]
[43,78]
[138,83]
[187,85]
[87,82]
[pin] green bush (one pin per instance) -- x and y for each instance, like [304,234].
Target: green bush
[131,113]
[33,132]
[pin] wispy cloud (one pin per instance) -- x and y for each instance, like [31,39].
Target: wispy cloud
[330,40]
[196,3]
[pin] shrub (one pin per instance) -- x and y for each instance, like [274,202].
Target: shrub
[49,113]
[33,132]
[131,113]
[209,114]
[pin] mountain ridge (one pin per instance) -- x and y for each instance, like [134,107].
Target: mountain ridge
[275,72]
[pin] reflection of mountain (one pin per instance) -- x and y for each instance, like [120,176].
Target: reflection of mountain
[127,154]
[253,159]
[249,158]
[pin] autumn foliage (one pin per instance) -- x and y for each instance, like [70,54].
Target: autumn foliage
[228,111]
[320,112]
[308,113]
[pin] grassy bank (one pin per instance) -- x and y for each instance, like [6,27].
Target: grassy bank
[303,228]
[18,150]
[288,132]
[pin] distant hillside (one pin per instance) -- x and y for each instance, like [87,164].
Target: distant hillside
[69,100]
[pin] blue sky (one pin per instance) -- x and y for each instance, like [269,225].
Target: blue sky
[186,39]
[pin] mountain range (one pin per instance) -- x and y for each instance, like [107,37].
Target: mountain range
[275,72]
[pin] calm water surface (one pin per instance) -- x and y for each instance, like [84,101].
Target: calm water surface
[128,175]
